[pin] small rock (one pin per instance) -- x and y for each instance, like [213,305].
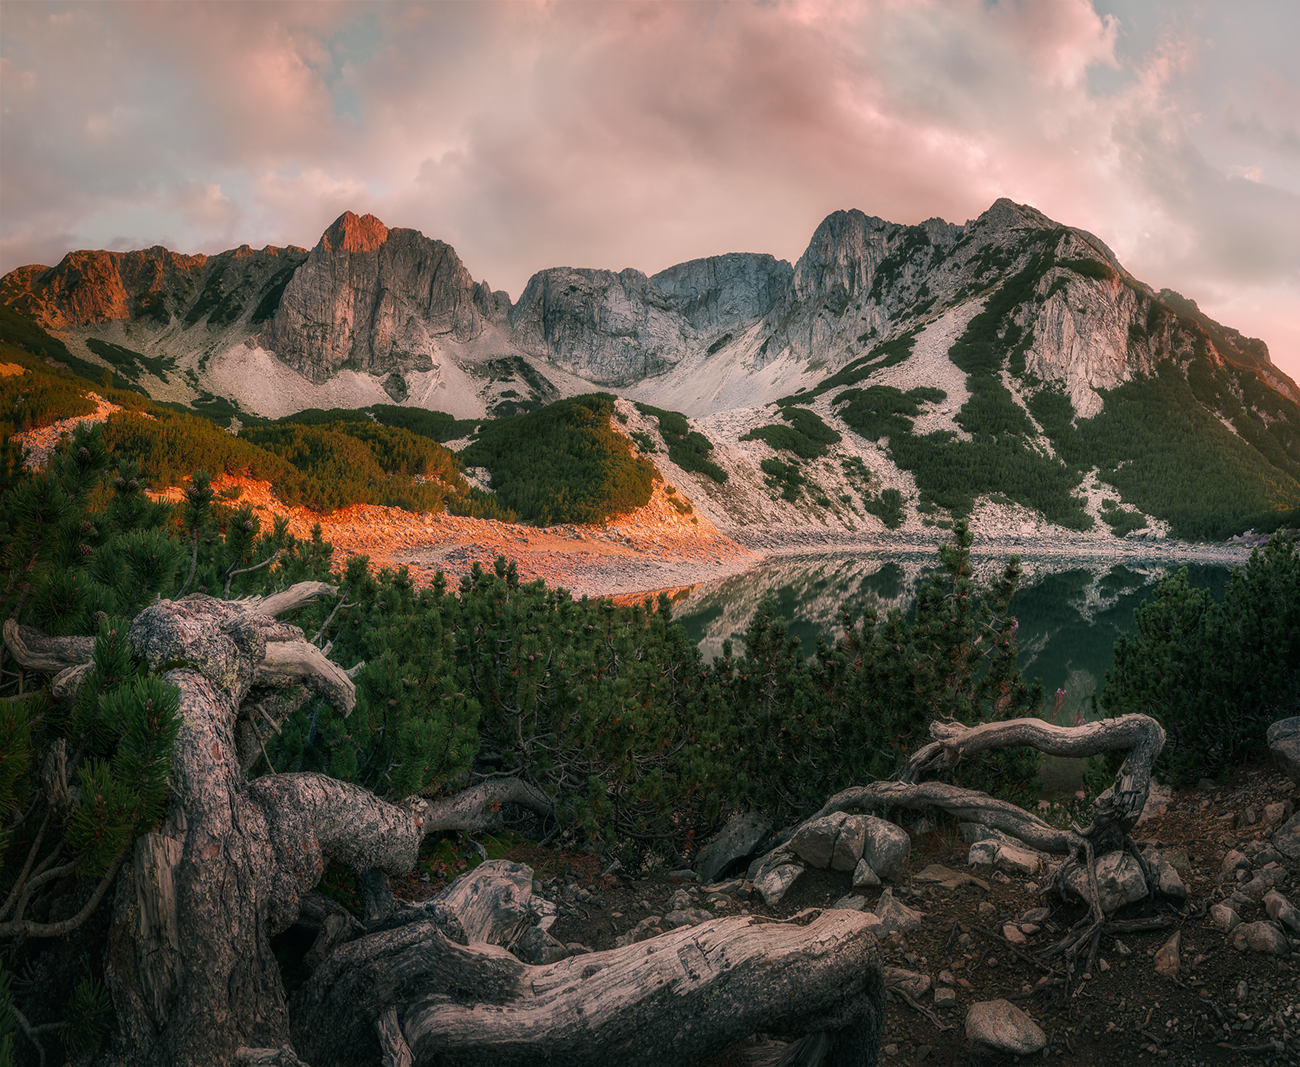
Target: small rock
[1287,839]
[1283,739]
[851,902]
[680,899]
[1224,917]
[895,916]
[1241,991]
[1015,860]
[946,978]
[887,848]
[944,997]
[1119,881]
[1279,811]
[910,982]
[985,908]
[1281,911]
[1234,861]
[946,878]
[849,844]
[864,877]
[774,885]
[686,917]
[1169,956]
[646,928]
[1000,1025]
[814,841]
[982,854]
[1263,936]
[539,948]
[1013,934]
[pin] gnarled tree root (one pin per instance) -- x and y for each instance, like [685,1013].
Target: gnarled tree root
[673,1000]
[1114,813]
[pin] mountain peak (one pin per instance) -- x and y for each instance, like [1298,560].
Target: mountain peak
[353,233]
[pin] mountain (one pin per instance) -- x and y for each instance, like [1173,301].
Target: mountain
[1009,360]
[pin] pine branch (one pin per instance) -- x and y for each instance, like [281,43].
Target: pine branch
[27,867]
[230,574]
[27,928]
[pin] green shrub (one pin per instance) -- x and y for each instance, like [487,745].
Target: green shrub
[808,437]
[1215,675]
[563,463]
[688,448]
[888,507]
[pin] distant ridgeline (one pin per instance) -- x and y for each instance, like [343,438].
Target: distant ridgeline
[1076,378]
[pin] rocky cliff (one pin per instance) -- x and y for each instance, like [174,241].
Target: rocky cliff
[154,286]
[377,300]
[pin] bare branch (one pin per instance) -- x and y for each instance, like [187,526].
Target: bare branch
[27,928]
[230,574]
[40,652]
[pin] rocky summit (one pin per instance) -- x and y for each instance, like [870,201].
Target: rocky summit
[1010,360]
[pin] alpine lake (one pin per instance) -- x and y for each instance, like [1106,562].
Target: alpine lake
[1070,611]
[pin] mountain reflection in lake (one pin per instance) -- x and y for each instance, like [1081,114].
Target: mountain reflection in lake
[1070,614]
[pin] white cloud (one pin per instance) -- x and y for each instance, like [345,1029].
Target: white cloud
[529,134]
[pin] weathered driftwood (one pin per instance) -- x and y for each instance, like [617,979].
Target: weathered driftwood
[37,651]
[673,1000]
[190,967]
[1114,812]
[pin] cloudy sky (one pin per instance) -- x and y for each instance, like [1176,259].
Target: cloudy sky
[643,134]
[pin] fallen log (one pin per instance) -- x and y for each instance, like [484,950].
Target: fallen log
[1114,813]
[668,1002]
[189,963]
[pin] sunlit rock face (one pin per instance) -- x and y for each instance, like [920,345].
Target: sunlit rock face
[376,300]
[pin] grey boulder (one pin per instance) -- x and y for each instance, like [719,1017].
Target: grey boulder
[1284,743]
[732,845]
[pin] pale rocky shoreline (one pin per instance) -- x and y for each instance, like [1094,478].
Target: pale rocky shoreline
[668,545]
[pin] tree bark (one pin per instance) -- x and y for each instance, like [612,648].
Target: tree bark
[1114,812]
[189,963]
[190,969]
[673,1000]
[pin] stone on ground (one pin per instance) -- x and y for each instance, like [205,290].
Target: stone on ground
[887,848]
[1169,956]
[849,844]
[814,841]
[776,883]
[1281,911]
[1000,1025]
[1119,881]
[732,845]
[1284,743]
[1262,936]
[895,916]
[864,877]
[1224,917]
[1287,839]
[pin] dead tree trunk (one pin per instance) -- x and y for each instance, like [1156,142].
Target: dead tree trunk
[1114,812]
[190,965]
[189,962]
[673,1000]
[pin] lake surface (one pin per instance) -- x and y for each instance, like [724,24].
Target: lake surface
[1070,613]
